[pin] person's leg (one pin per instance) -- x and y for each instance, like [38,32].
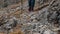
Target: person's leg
[32,8]
[31,5]
[29,8]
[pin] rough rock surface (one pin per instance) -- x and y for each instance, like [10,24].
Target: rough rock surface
[16,19]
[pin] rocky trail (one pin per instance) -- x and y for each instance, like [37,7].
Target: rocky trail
[16,19]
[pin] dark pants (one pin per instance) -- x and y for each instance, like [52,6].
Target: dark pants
[31,4]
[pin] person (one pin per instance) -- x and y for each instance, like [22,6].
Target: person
[31,5]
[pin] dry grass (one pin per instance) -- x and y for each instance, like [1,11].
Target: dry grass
[17,32]
[2,33]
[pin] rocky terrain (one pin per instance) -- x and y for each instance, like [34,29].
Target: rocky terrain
[16,19]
